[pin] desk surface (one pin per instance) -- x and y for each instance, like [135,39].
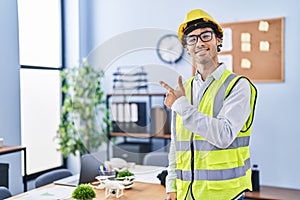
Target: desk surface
[139,191]
[10,149]
[274,193]
[143,191]
[147,185]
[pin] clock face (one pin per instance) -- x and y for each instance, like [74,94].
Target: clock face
[169,49]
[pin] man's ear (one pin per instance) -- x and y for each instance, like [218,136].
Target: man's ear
[219,41]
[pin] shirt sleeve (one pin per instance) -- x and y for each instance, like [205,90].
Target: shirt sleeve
[171,177]
[222,130]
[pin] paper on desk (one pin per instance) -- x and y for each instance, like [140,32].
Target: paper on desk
[55,192]
[147,174]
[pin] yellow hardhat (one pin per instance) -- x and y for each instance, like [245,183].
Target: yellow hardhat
[193,15]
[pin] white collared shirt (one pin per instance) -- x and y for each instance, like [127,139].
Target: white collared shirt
[220,131]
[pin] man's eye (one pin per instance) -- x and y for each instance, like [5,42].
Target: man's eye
[205,36]
[191,39]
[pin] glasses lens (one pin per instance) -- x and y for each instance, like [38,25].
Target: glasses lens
[206,36]
[190,40]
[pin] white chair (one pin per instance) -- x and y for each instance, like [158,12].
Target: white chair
[156,158]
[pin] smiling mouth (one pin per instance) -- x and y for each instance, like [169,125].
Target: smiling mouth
[201,51]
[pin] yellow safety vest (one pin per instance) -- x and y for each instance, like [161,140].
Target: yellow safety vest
[204,170]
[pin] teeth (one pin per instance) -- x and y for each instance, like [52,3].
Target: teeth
[200,51]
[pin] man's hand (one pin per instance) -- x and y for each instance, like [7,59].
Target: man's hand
[173,94]
[171,196]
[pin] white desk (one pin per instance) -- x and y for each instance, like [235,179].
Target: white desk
[48,192]
[147,174]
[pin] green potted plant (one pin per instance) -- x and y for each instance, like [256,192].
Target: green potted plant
[83,192]
[126,177]
[124,173]
[84,117]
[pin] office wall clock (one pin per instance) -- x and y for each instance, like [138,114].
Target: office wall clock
[169,49]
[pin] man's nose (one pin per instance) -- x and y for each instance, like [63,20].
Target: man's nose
[199,41]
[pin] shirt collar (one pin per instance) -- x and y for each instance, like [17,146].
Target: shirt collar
[216,74]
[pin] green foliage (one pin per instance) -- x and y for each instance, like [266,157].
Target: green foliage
[84,116]
[124,173]
[83,192]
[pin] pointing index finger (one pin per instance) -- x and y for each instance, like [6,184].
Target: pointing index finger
[180,83]
[165,85]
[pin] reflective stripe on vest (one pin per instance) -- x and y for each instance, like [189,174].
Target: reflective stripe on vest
[219,98]
[203,145]
[214,175]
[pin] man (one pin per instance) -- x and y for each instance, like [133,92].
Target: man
[212,119]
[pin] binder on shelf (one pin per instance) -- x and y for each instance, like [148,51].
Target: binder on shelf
[114,111]
[134,112]
[131,117]
[120,111]
[127,112]
[160,121]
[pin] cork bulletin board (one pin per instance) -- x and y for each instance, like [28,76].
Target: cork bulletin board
[255,49]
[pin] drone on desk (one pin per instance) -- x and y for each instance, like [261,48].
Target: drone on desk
[107,179]
[112,187]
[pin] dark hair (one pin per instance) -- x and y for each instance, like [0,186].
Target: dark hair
[200,23]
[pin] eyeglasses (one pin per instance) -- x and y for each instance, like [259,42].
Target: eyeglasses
[205,36]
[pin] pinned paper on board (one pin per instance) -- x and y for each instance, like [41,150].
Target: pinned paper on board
[263,26]
[246,47]
[245,63]
[245,37]
[264,46]
[227,39]
[227,60]
[245,42]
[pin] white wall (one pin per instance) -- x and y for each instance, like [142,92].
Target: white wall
[10,127]
[274,143]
